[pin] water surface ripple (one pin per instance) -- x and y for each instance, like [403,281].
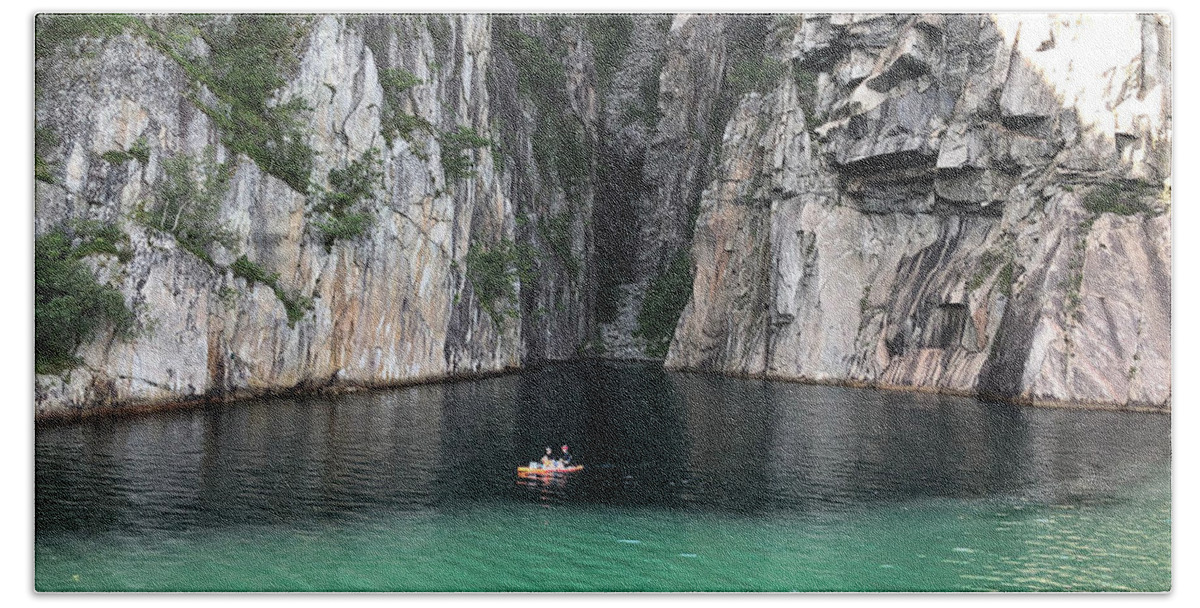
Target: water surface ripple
[692,482]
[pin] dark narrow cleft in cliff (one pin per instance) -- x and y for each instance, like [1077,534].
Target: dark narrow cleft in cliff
[263,203]
[543,93]
[618,189]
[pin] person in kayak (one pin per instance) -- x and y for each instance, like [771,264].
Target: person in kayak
[566,457]
[547,461]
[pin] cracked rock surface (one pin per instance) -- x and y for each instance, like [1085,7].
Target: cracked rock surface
[925,221]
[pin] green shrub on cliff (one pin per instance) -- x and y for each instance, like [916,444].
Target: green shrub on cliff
[253,273]
[1004,280]
[247,63]
[187,202]
[295,304]
[345,227]
[397,84]
[348,187]
[99,237]
[456,162]
[45,140]
[560,145]
[494,271]
[69,304]
[1119,197]
[610,36]
[665,298]
[806,85]
[355,183]
[748,68]
[139,151]
[758,74]
[52,32]
[43,171]
[250,55]
[987,263]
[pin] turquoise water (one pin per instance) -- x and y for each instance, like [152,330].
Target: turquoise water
[691,483]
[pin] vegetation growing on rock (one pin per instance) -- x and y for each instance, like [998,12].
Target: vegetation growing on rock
[70,306]
[1119,197]
[1001,257]
[296,305]
[246,66]
[665,298]
[139,151]
[610,36]
[397,84]
[44,141]
[62,31]
[458,161]
[806,85]
[348,187]
[559,141]
[43,171]
[494,273]
[537,91]
[749,69]
[187,202]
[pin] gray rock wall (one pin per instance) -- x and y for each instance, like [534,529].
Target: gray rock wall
[391,306]
[944,202]
[540,120]
[923,206]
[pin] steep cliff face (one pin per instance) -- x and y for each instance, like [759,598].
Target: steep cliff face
[543,94]
[957,203]
[659,114]
[391,304]
[950,202]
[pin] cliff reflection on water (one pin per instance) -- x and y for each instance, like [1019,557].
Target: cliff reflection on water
[681,441]
[825,485]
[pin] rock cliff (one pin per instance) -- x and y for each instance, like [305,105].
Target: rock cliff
[960,203]
[390,305]
[949,202]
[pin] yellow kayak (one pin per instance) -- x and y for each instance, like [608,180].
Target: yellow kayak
[527,471]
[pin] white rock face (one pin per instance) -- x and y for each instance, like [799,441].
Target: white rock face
[925,223]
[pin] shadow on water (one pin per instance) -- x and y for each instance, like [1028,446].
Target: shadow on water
[741,445]
[647,438]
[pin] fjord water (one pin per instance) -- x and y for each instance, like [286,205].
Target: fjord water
[691,482]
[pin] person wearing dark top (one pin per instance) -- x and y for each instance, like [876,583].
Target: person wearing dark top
[566,457]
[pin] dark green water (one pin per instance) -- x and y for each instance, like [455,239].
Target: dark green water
[691,483]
